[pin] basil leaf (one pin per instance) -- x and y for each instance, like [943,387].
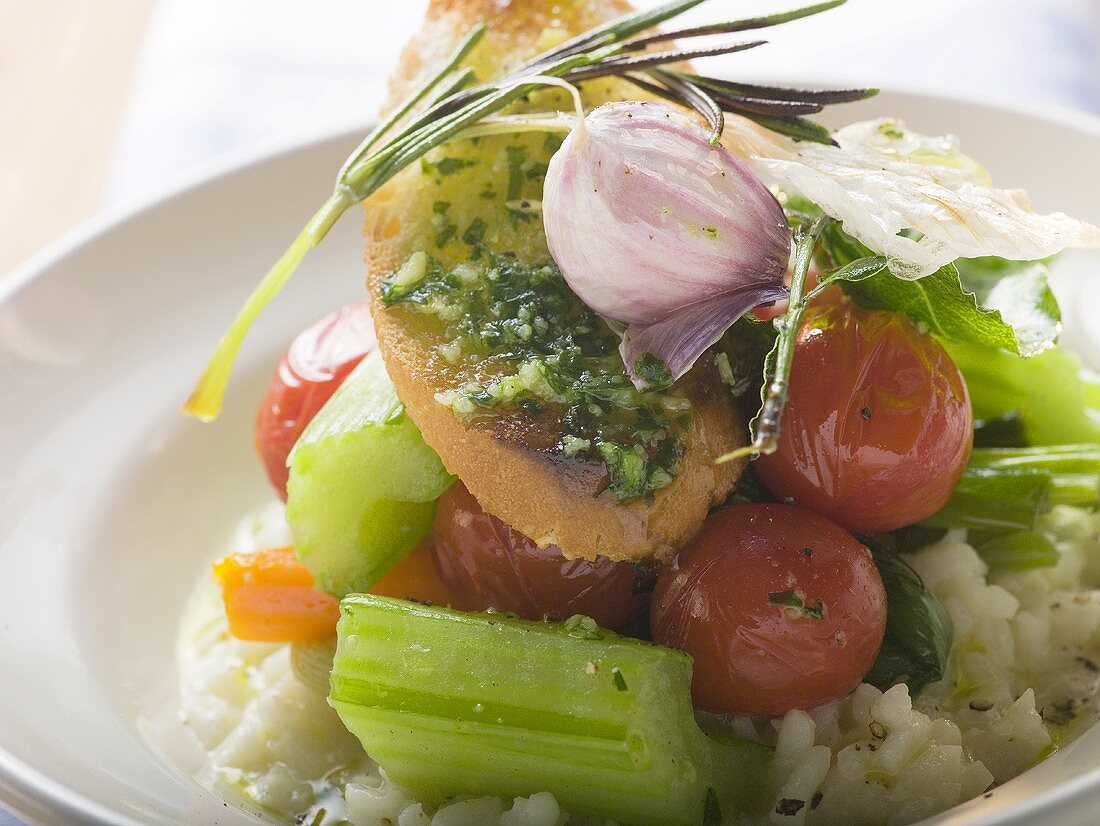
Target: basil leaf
[992,302]
[918,629]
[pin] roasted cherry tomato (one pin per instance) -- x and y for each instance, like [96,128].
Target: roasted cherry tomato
[878,425]
[779,607]
[318,360]
[487,564]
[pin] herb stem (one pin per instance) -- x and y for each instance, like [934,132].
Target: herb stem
[768,423]
[460,53]
[455,109]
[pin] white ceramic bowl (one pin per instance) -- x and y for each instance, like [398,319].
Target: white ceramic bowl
[111,502]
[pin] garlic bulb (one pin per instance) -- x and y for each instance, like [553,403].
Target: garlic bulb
[656,229]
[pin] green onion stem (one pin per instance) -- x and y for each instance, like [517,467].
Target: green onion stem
[205,401]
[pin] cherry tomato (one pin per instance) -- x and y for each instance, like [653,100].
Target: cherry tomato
[315,364]
[878,425]
[779,607]
[487,564]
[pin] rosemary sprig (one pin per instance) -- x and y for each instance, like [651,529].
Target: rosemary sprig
[777,365]
[453,108]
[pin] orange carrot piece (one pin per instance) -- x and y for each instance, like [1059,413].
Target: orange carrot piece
[416,577]
[270,596]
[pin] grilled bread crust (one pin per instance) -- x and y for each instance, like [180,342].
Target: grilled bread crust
[507,462]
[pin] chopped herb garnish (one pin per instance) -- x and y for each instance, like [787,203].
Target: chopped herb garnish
[890,130]
[653,371]
[445,228]
[584,628]
[474,233]
[517,157]
[544,355]
[445,166]
[618,679]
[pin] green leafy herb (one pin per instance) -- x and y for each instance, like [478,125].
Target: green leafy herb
[618,679]
[444,226]
[653,371]
[474,233]
[988,302]
[918,629]
[517,156]
[445,166]
[551,358]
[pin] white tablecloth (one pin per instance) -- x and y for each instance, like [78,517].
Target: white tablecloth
[228,78]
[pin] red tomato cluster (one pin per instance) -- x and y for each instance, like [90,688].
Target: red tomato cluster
[780,606]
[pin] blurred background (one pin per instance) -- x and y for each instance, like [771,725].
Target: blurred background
[108,102]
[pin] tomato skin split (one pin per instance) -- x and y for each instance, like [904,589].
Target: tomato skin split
[779,608]
[878,425]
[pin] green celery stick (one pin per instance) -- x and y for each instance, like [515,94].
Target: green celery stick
[362,485]
[451,703]
[1016,551]
[1074,469]
[1056,400]
[991,499]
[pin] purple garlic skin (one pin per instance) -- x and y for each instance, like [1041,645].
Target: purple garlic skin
[655,228]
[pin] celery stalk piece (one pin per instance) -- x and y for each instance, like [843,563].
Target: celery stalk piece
[1010,488]
[989,499]
[1074,469]
[362,485]
[1056,399]
[451,703]
[1016,551]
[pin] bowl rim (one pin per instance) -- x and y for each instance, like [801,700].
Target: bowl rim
[33,794]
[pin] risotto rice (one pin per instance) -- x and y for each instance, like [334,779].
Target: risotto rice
[1022,677]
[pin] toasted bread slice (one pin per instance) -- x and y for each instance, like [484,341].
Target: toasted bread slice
[506,458]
